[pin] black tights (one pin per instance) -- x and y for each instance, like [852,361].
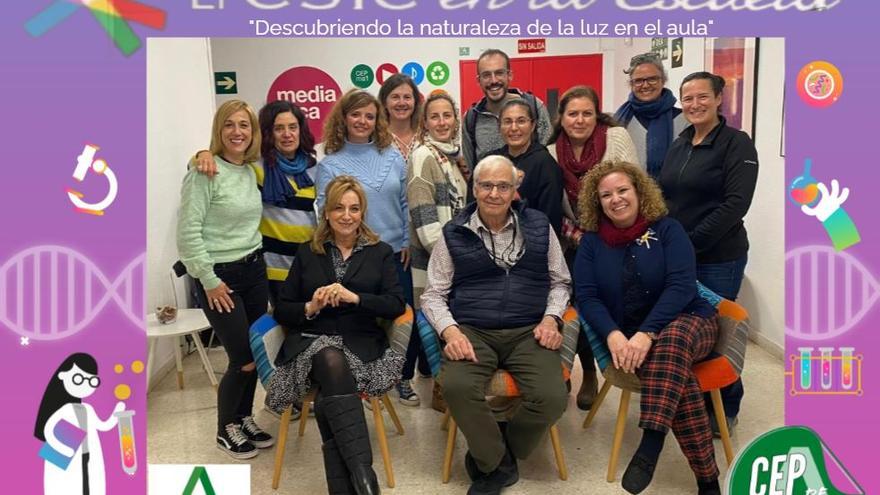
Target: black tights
[332,375]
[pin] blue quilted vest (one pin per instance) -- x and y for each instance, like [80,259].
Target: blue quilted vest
[486,296]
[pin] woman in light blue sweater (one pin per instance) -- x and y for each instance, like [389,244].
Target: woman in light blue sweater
[357,142]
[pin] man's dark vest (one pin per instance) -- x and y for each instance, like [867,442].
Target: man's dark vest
[484,295]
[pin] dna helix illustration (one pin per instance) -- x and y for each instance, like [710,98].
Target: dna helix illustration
[827,292]
[52,292]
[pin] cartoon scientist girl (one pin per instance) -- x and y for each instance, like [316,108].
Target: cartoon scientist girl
[74,463]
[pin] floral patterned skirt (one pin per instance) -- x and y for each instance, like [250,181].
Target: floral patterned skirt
[291,382]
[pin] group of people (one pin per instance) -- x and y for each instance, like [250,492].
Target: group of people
[491,225]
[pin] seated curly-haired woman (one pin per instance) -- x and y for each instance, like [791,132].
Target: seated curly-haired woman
[635,276]
[338,285]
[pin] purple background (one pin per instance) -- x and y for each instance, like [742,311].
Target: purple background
[71,87]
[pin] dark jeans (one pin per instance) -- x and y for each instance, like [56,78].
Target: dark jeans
[275,292]
[414,350]
[235,395]
[725,279]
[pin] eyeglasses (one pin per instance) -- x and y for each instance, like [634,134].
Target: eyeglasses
[653,80]
[487,75]
[79,379]
[487,187]
[520,122]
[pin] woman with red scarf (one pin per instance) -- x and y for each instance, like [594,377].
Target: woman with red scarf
[635,284]
[582,137]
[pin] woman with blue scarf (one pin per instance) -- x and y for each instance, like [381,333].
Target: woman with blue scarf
[657,121]
[286,177]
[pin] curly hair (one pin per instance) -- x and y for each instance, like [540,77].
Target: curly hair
[267,117]
[335,130]
[573,93]
[333,195]
[651,204]
[423,126]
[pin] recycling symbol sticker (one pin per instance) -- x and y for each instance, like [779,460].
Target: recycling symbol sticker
[437,73]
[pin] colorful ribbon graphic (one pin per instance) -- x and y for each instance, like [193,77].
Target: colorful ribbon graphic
[112,15]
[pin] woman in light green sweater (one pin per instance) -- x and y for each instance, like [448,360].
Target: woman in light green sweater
[219,242]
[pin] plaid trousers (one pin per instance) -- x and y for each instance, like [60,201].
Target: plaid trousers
[671,396]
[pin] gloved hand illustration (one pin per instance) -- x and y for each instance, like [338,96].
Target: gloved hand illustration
[828,203]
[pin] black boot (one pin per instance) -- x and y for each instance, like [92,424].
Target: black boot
[338,477]
[345,416]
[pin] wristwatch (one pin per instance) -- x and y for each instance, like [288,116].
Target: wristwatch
[559,322]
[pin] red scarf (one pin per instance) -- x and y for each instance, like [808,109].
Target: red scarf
[573,169]
[617,237]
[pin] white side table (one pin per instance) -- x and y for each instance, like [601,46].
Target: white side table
[188,322]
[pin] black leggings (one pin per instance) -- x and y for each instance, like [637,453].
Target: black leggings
[332,375]
[235,395]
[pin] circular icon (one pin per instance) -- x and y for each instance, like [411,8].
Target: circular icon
[437,73]
[819,83]
[415,71]
[385,70]
[312,90]
[362,76]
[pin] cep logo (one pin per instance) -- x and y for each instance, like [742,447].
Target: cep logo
[783,470]
[191,479]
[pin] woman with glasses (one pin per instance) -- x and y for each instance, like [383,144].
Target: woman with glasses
[540,178]
[583,137]
[649,114]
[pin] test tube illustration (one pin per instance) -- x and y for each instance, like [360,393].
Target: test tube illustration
[826,367]
[846,367]
[806,367]
[126,441]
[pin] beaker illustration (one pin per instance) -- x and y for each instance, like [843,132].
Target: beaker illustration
[803,190]
[846,367]
[126,441]
[806,367]
[826,367]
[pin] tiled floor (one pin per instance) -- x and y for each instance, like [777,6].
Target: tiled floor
[182,426]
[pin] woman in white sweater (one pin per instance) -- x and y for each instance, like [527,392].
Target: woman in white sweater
[583,137]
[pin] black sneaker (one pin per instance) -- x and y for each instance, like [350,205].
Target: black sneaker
[255,435]
[232,441]
[506,474]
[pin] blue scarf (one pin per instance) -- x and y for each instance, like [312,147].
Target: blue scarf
[658,115]
[276,188]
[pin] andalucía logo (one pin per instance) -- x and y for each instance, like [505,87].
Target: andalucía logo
[788,461]
[199,476]
[112,15]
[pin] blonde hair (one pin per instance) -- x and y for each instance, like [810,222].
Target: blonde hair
[252,153]
[332,196]
[423,126]
[335,130]
[651,204]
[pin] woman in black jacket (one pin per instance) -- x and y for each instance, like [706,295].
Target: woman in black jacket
[338,286]
[541,184]
[708,179]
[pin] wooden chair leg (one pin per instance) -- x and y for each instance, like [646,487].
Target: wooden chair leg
[279,448]
[597,403]
[391,412]
[304,415]
[446,416]
[383,441]
[557,451]
[450,447]
[722,424]
[618,435]
[178,358]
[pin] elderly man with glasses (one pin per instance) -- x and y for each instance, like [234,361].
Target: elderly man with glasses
[479,133]
[497,288]
[649,114]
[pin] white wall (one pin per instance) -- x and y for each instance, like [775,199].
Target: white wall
[180,106]
[257,62]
